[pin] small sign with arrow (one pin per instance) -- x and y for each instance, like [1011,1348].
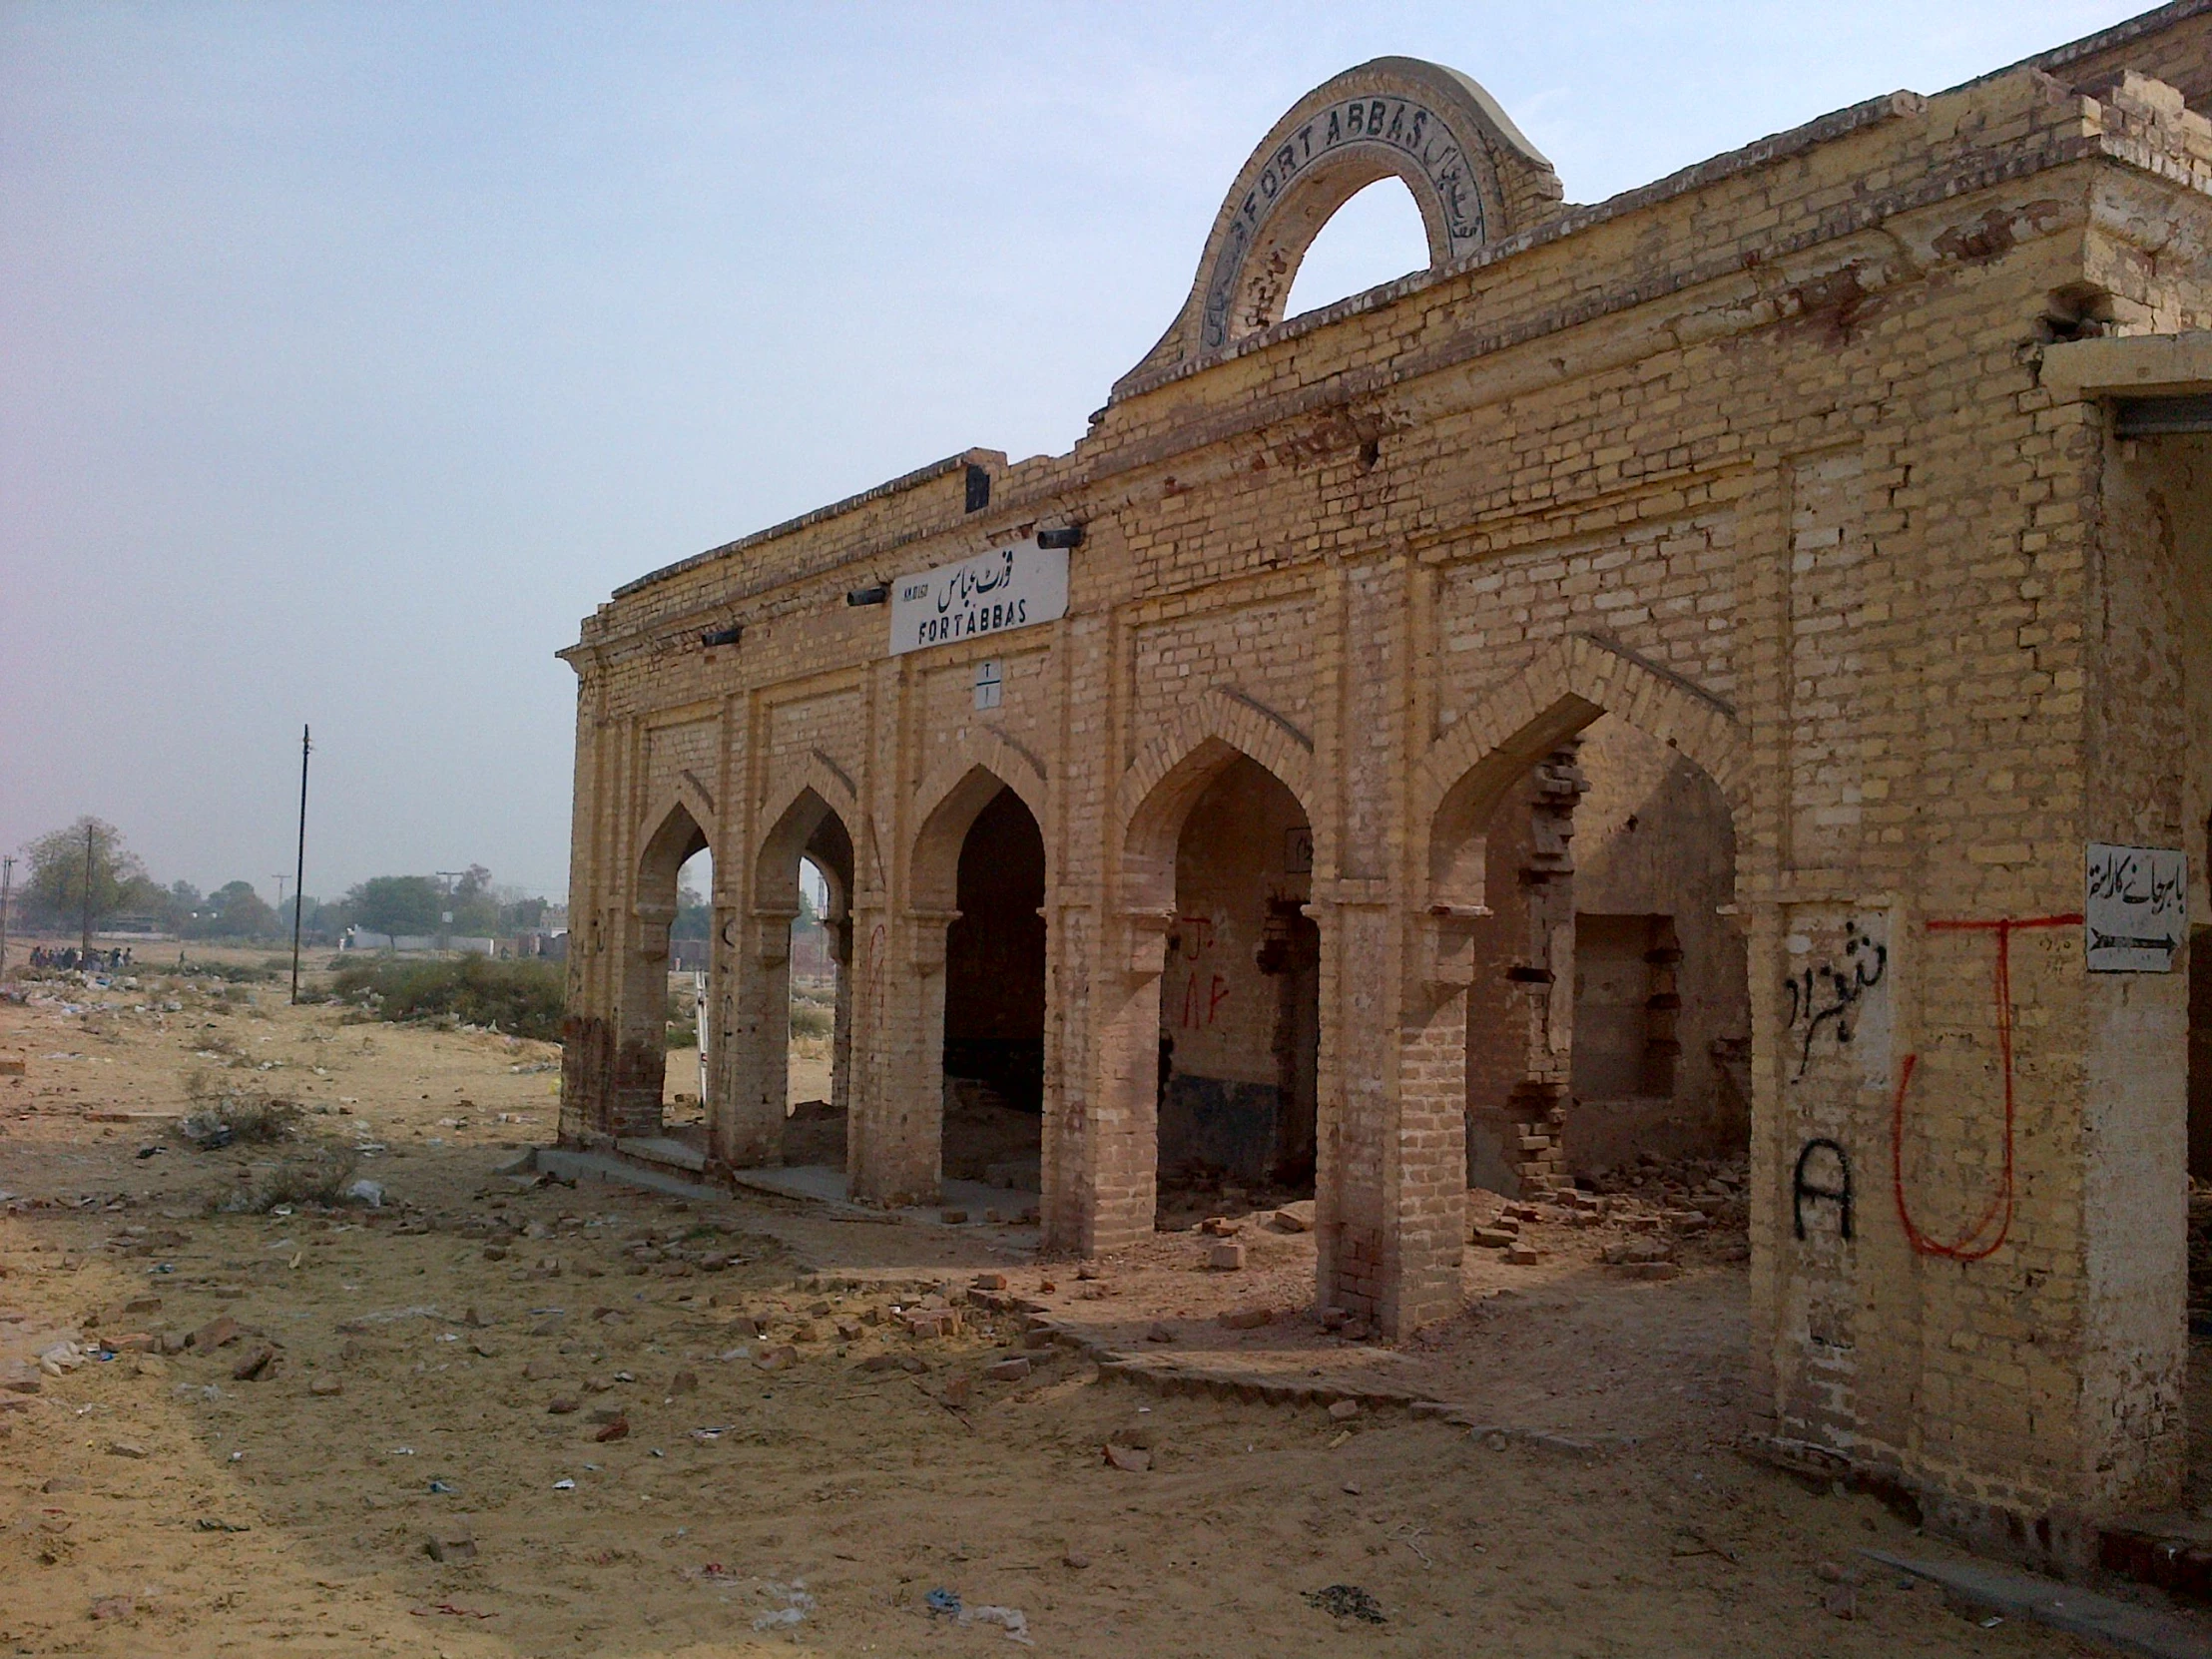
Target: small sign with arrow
[2135,909]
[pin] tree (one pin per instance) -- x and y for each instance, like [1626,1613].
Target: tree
[475,911]
[693,919]
[236,911]
[521,914]
[396,904]
[79,875]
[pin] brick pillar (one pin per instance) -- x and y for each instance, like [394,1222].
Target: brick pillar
[900,1157]
[840,933]
[641,1048]
[1118,1138]
[756,1059]
[1544,972]
[1390,1177]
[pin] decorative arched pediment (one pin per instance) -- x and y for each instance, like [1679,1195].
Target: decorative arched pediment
[1473,175]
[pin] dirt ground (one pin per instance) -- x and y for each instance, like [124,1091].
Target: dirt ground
[642,1426]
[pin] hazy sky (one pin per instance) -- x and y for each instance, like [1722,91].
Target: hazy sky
[350,355]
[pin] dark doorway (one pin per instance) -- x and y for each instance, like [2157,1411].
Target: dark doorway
[994,965]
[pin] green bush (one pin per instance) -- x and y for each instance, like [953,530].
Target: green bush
[523,999]
[811,1019]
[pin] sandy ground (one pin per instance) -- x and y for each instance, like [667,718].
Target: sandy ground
[158,1502]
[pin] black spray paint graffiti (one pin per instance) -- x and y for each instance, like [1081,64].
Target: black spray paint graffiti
[1829,994]
[1802,1188]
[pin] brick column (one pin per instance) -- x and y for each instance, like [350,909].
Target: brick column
[839,933]
[641,1048]
[1544,972]
[748,1121]
[901,1159]
[1118,1139]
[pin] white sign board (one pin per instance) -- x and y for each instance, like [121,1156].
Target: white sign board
[1009,587]
[2135,912]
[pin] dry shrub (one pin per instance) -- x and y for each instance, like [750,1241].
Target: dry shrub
[316,1175]
[220,1117]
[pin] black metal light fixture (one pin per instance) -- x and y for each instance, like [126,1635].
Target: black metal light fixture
[721,636]
[1068,536]
[877,595]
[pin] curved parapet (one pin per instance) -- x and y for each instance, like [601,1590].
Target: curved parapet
[1476,179]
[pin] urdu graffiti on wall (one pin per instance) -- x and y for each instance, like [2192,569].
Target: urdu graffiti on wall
[1825,997]
[2135,907]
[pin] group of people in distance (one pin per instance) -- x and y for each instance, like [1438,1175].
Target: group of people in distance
[70,959]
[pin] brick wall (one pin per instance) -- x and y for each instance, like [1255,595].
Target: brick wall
[1755,461]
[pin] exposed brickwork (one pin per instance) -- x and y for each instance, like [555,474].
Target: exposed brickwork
[1756,460]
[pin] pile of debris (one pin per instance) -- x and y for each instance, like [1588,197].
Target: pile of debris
[1714,1188]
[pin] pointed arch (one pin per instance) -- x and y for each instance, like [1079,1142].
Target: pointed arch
[681,801]
[933,861]
[791,776]
[1228,717]
[1565,687]
[677,834]
[810,800]
[807,827]
[1175,769]
[991,750]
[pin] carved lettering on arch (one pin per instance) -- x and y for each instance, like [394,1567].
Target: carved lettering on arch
[1471,174]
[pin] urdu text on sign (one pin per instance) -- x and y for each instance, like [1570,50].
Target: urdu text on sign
[2135,908]
[1009,587]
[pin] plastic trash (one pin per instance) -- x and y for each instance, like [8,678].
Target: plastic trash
[1010,1619]
[371,1193]
[943,1601]
[564,1485]
[796,1605]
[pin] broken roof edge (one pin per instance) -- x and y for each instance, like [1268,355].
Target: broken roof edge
[991,460]
[2053,59]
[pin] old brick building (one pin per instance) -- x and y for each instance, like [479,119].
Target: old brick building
[1653,679]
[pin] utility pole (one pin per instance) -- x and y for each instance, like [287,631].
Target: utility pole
[7,885]
[281,880]
[299,872]
[84,944]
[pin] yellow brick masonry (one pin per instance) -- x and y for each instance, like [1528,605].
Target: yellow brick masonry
[1756,459]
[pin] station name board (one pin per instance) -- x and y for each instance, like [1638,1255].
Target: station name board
[1015,586]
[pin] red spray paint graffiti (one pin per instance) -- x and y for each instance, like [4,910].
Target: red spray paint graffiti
[1204,991]
[1970,1245]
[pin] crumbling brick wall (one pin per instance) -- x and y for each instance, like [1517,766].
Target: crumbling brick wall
[1756,460]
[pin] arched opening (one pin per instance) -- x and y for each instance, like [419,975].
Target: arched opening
[649,1019]
[812,1003]
[690,1039]
[1375,237]
[1582,892]
[994,996]
[1608,1011]
[790,1083]
[1240,1003]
